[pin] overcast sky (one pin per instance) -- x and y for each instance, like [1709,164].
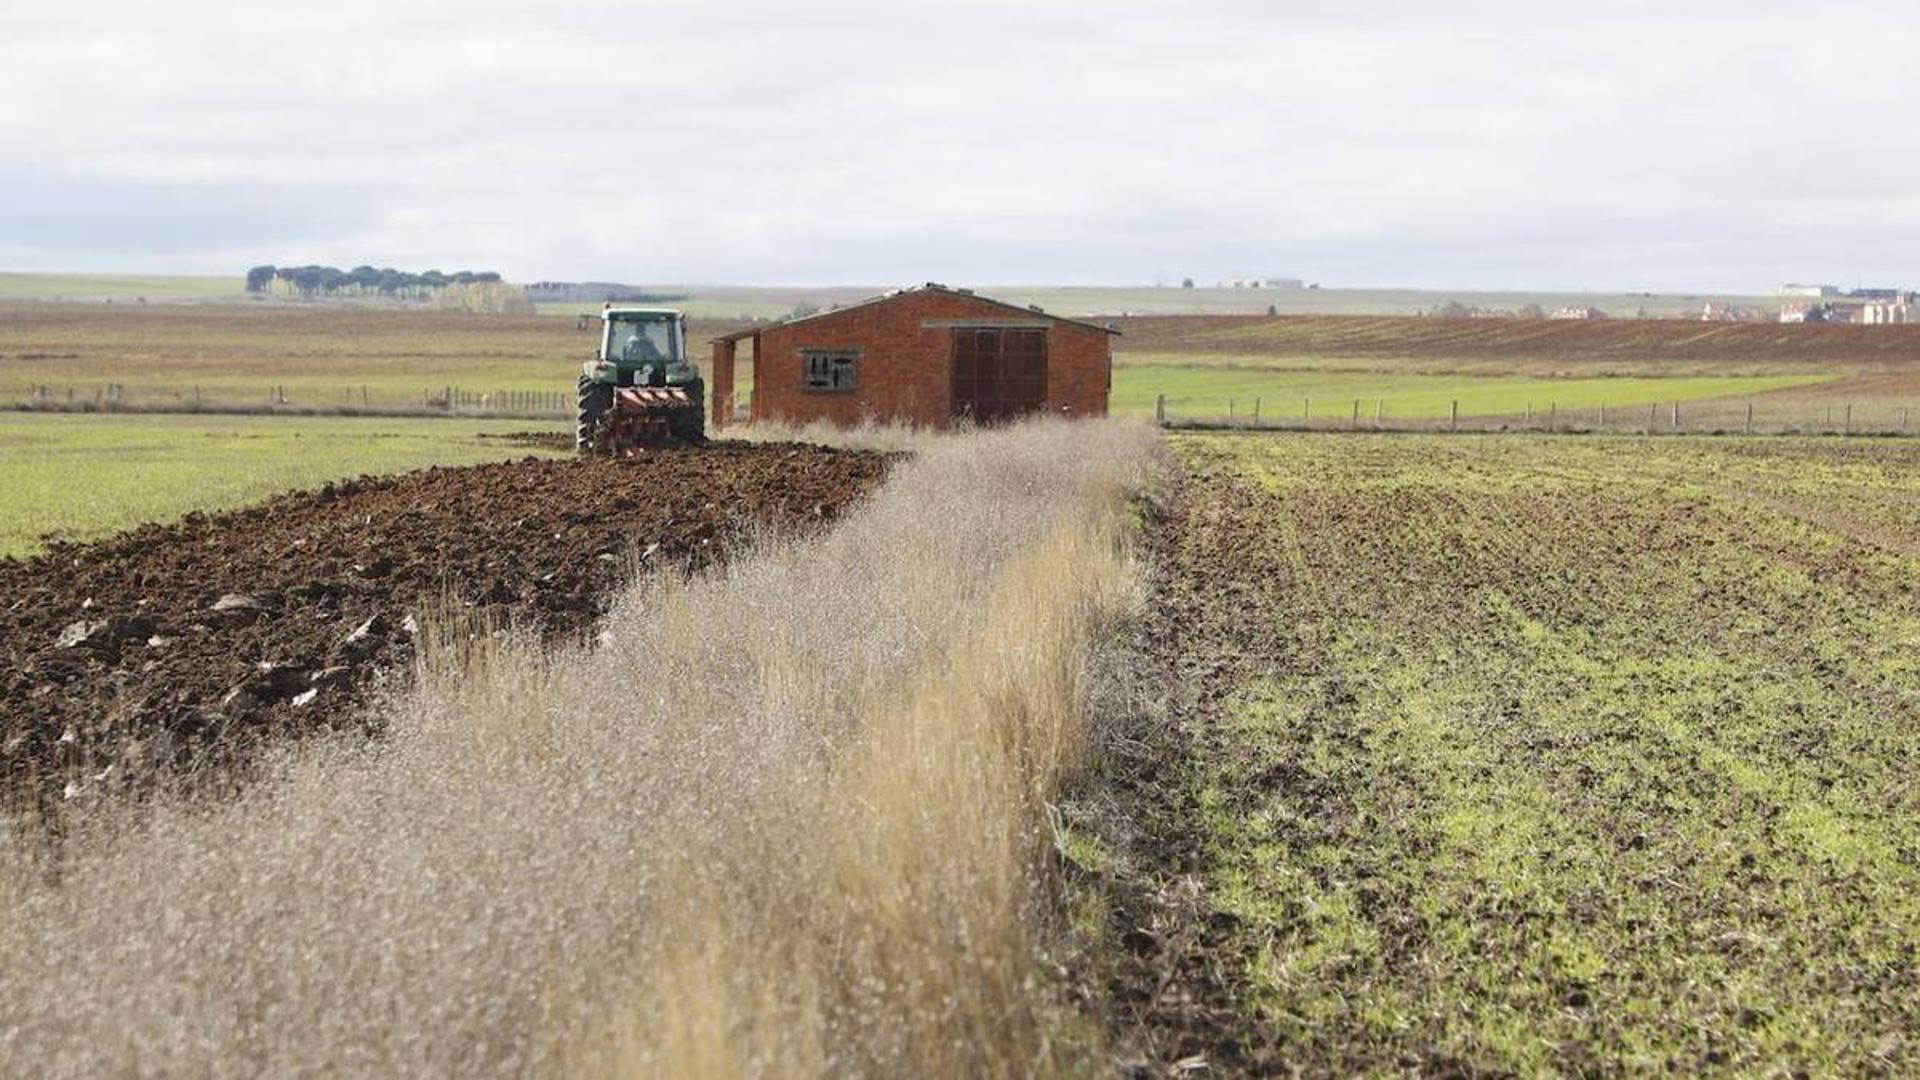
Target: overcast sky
[1624,145]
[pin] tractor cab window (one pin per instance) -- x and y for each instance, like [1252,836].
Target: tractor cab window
[637,342]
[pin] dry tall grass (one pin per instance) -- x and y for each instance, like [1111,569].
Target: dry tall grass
[886,436]
[785,820]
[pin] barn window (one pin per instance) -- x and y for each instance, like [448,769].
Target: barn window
[830,369]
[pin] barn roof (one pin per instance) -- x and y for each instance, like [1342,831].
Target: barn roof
[928,287]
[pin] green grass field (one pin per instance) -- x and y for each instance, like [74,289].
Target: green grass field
[1332,395]
[85,477]
[1513,755]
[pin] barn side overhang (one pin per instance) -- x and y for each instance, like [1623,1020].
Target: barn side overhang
[721,366]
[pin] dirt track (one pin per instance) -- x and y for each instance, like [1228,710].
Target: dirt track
[189,645]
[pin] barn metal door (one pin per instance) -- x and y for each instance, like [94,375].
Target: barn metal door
[999,374]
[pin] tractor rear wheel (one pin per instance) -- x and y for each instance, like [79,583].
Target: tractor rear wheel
[689,426]
[595,398]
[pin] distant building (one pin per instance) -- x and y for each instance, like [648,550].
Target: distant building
[1573,313]
[1899,312]
[1283,284]
[1832,313]
[1810,292]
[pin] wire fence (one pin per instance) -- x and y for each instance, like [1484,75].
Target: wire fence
[1707,416]
[300,398]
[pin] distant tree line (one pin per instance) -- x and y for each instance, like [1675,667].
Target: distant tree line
[362,280]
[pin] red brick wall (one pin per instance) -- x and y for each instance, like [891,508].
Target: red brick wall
[905,371]
[1079,370]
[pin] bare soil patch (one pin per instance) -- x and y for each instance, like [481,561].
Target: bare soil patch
[183,648]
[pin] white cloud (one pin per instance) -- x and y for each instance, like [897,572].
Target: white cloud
[1635,144]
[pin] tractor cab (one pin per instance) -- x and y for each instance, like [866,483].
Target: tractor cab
[642,347]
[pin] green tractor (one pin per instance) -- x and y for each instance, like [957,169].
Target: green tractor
[640,390]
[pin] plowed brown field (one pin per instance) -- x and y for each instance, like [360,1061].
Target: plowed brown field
[178,647]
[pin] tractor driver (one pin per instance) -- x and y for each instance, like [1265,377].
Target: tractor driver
[640,348]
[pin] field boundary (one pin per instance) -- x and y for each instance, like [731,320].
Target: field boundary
[1499,427]
[1700,416]
[430,412]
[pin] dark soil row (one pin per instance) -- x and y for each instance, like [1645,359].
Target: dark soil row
[182,648]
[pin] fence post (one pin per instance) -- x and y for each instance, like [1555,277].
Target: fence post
[1905,414]
[1256,411]
[1749,417]
[1553,415]
[1653,418]
[1529,414]
[1379,409]
[1356,412]
[1603,416]
[1160,410]
[1306,410]
[1454,424]
[1233,406]
[1849,417]
[1676,416]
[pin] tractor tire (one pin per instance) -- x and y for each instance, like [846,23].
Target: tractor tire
[595,398]
[690,426]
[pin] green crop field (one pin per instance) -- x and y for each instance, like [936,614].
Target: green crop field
[1516,755]
[1517,373]
[83,477]
[1333,395]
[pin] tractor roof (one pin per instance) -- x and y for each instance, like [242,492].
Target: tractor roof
[639,314]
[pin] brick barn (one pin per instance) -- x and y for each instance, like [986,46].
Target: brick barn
[926,356]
